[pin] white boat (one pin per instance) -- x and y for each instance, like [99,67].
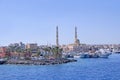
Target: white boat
[95,55]
[84,55]
[76,56]
[98,54]
[103,53]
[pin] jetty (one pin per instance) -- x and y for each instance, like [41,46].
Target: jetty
[41,62]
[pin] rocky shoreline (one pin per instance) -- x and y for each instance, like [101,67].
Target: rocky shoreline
[40,62]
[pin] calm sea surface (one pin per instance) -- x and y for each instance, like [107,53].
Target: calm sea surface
[84,69]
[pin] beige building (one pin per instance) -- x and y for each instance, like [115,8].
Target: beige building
[31,46]
[71,47]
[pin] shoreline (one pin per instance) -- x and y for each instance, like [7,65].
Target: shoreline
[40,62]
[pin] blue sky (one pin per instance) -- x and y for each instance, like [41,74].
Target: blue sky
[29,21]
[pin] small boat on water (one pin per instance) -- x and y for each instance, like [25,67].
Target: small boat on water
[87,55]
[76,56]
[104,54]
[2,61]
[84,55]
[117,52]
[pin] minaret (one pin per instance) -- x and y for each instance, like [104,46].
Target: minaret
[77,42]
[75,34]
[57,40]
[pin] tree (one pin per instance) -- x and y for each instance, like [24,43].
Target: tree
[47,52]
[38,52]
[57,52]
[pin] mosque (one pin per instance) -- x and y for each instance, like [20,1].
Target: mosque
[69,47]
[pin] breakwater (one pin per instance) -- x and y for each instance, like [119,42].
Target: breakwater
[40,62]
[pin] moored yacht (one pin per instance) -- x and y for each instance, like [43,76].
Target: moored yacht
[103,53]
[98,54]
[84,55]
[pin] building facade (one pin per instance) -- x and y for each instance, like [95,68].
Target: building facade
[3,52]
[31,46]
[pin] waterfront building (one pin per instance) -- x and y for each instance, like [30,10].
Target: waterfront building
[32,49]
[76,49]
[71,47]
[3,51]
[31,46]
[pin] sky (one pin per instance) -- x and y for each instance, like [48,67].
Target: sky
[35,21]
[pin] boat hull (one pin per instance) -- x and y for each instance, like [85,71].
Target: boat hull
[2,61]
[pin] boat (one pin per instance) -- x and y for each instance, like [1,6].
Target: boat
[98,54]
[84,55]
[117,52]
[87,55]
[94,55]
[2,61]
[76,56]
[103,53]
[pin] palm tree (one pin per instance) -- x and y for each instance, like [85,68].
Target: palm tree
[38,52]
[57,52]
[47,52]
[19,52]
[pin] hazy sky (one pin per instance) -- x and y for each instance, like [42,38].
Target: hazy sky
[29,21]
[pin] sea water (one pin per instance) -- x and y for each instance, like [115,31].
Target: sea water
[83,69]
